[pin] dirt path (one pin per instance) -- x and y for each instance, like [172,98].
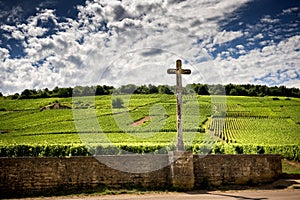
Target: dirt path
[141,121]
[291,191]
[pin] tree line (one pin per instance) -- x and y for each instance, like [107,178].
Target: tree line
[200,89]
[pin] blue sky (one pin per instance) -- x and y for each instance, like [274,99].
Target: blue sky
[67,43]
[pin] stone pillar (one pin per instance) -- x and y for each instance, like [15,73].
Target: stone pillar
[182,170]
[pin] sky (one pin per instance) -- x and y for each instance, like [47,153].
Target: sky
[48,43]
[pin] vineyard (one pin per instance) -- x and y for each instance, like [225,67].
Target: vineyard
[93,126]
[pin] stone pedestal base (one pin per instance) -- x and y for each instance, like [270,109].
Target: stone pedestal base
[181,170]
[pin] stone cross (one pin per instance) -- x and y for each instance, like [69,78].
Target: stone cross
[178,71]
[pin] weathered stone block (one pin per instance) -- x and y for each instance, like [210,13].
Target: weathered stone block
[182,170]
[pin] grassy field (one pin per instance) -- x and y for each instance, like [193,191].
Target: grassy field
[239,125]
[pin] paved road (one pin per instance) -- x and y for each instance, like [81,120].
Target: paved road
[215,195]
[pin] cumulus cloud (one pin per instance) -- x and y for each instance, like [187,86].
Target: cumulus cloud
[119,42]
[273,65]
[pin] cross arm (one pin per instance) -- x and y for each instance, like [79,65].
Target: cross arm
[180,71]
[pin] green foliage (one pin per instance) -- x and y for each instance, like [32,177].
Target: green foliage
[43,151]
[259,126]
[201,89]
[290,152]
[117,103]
[256,125]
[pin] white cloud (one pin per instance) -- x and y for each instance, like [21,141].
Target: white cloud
[226,36]
[8,28]
[139,40]
[240,46]
[4,54]
[14,14]
[290,10]
[268,19]
[257,64]
[259,36]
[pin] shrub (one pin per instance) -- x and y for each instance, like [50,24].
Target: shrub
[117,103]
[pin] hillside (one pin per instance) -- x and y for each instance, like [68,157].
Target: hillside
[245,125]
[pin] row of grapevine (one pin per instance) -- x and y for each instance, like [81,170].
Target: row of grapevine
[216,126]
[291,152]
[81,150]
[42,151]
[251,130]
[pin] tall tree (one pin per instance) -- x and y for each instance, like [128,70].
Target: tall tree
[26,94]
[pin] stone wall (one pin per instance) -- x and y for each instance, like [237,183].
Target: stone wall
[215,170]
[36,176]
[39,176]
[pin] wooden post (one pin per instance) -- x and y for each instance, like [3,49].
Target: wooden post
[178,71]
[180,145]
